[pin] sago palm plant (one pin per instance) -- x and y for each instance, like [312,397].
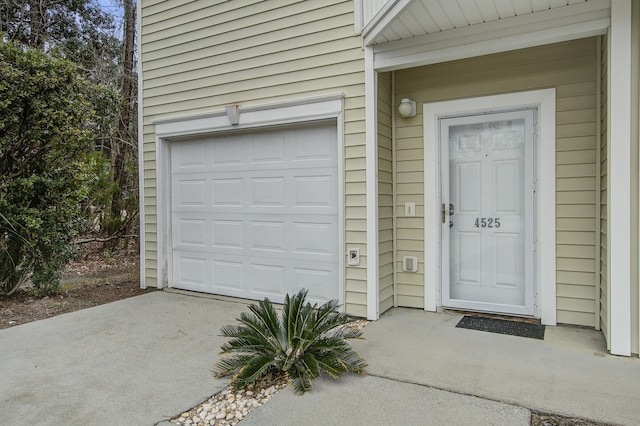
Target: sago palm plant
[302,342]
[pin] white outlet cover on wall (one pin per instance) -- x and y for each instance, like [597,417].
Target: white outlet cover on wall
[353,257]
[410,264]
[410,208]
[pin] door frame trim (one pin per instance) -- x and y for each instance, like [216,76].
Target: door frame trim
[545,231]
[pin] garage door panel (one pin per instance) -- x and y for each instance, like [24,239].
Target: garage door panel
[191,193]
[267,279]
[266,148]
[224,152]
[227,234]
[228,274]
[300,237]
[321,283]
[255,215]
[267,235]
[316,191]
[313,238]
[255,277]
[227,192]
[192,272]
[308,145]
[191,232]
[190,157]
[267,192]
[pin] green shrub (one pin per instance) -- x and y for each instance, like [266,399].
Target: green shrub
[43,176]
[302,342]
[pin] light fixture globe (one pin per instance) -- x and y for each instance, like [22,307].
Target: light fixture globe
[407,108]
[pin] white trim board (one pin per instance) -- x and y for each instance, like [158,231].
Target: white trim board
[298,111]
[253,116]
[619,185]
[545,233]
[371,107]
[519,32]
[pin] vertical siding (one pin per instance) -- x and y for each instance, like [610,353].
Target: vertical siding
[569,67]
[602,250]
[200,56]
[385,194]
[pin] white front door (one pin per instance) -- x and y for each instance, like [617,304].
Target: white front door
[487,221]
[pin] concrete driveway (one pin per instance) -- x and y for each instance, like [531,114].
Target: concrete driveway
[132,362]
[143,360]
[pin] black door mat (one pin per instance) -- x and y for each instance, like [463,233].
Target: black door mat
[512,328]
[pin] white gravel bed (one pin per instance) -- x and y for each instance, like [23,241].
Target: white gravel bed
[229,406]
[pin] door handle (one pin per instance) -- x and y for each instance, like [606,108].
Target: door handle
[443,211]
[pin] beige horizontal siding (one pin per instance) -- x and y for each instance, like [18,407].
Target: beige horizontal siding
[602,198]
[200,56]
[385,195]
[570,68]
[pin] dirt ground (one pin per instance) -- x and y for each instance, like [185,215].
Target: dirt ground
[538,419]
[94,278]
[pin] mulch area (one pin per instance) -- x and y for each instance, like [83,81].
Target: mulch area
[96,277]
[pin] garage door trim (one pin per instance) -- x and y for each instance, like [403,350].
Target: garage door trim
[301,111]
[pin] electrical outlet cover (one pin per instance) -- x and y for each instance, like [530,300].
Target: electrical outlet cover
[354,257]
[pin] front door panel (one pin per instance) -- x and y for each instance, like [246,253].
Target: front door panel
[487,226]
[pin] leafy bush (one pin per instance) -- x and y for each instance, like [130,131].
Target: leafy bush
[43,176]
[302,342]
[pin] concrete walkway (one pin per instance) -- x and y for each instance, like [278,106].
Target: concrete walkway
[568,373]
[143,360]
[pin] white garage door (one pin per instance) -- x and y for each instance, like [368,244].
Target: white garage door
[256,214]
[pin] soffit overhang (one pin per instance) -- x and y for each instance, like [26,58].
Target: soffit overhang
[408,33]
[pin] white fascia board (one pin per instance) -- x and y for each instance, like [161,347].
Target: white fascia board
[142,240]
[509,34]
[619,173]
[371,173]
[383,19]
[272,114]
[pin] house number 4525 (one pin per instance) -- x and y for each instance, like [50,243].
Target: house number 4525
[487,222]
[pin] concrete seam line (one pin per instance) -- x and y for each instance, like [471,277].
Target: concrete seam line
[514,404]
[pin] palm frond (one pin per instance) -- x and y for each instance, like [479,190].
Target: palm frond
[310,364]
[352,361]
[343,332]
[330,365]
[231,364]
[253,370]
[299,381]
[267,315]
[304,341]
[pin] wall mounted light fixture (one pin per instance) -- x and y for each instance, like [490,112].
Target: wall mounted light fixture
[407,108]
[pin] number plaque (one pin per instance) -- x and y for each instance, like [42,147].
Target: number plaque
[487,222]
